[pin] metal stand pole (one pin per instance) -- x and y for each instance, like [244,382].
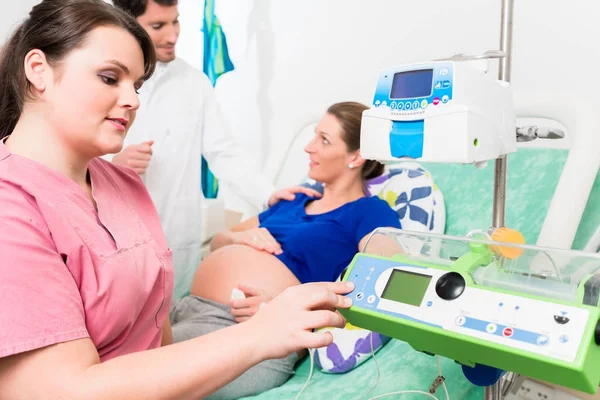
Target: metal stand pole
[494,392]
[504,75]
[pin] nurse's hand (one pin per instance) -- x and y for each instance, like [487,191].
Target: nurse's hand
[286,323]
[243,309]
[289,194]
[135,156]
[258,238]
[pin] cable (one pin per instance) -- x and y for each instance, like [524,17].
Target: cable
[376,366]
[440,374]
[311,352]
[405,392]
[439,367]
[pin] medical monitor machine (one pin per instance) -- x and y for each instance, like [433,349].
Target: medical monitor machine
[491,305]
[444,111]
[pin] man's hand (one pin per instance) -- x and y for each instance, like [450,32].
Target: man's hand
[135,156]
[289,194]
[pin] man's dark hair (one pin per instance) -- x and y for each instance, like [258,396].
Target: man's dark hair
[138,7]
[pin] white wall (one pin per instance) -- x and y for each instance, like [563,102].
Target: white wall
[13,12]
[294,58]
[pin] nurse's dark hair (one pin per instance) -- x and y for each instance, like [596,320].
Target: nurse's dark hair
[138,7]
[57,27]
[349,114]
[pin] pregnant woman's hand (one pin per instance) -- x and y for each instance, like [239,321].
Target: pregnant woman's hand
[243,309]
[258,238]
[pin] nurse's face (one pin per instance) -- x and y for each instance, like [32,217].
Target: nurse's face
[329,156]
[162,24]
[90,95]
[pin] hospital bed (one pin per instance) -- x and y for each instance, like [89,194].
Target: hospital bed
[549,184]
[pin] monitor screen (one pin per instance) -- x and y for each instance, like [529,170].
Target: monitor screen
[406,287]
[411,84]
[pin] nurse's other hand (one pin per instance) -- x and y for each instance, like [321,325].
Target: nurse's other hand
[258,238]
[286,323]
[289,194]
[243,309]
[135,156]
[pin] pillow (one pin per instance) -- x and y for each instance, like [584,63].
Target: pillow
[351,347]
[411,192]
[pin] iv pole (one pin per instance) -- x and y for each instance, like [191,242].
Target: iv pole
[503,75]
[500,389]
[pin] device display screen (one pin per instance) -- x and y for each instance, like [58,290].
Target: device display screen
[410,84]
[406,287]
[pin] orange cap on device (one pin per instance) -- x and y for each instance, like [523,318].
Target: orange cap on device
[507,235]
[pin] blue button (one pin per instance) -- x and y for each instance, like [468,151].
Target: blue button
[563,339]
[500,304]
[438,85]
[408,106]
[446,84]
[543,340]
[429,303]
[360,295]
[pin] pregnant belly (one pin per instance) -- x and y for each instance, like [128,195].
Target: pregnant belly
[222,270]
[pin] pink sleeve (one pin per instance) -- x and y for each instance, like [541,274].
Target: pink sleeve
[40,304]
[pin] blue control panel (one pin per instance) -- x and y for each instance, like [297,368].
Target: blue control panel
[425,295]
[414,88]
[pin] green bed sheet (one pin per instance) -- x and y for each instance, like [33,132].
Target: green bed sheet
[401,367]
[532,178]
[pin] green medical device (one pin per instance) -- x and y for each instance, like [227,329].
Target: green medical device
[534,314]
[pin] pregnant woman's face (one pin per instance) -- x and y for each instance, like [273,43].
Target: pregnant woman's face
[329,156]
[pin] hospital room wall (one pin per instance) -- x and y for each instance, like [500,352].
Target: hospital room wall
[13,12]
[294,58]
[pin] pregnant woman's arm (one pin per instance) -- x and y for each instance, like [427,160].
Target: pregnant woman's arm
[247,233]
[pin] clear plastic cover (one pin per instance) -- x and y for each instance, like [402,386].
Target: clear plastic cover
[549,273]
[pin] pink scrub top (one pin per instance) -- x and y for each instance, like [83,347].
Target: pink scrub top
[68,271]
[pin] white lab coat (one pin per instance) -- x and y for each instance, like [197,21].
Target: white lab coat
[180,113]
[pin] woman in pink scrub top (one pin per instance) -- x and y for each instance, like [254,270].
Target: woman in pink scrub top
[85,273]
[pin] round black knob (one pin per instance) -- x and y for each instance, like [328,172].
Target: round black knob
[450,286]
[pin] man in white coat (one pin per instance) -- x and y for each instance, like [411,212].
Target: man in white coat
[178,121]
